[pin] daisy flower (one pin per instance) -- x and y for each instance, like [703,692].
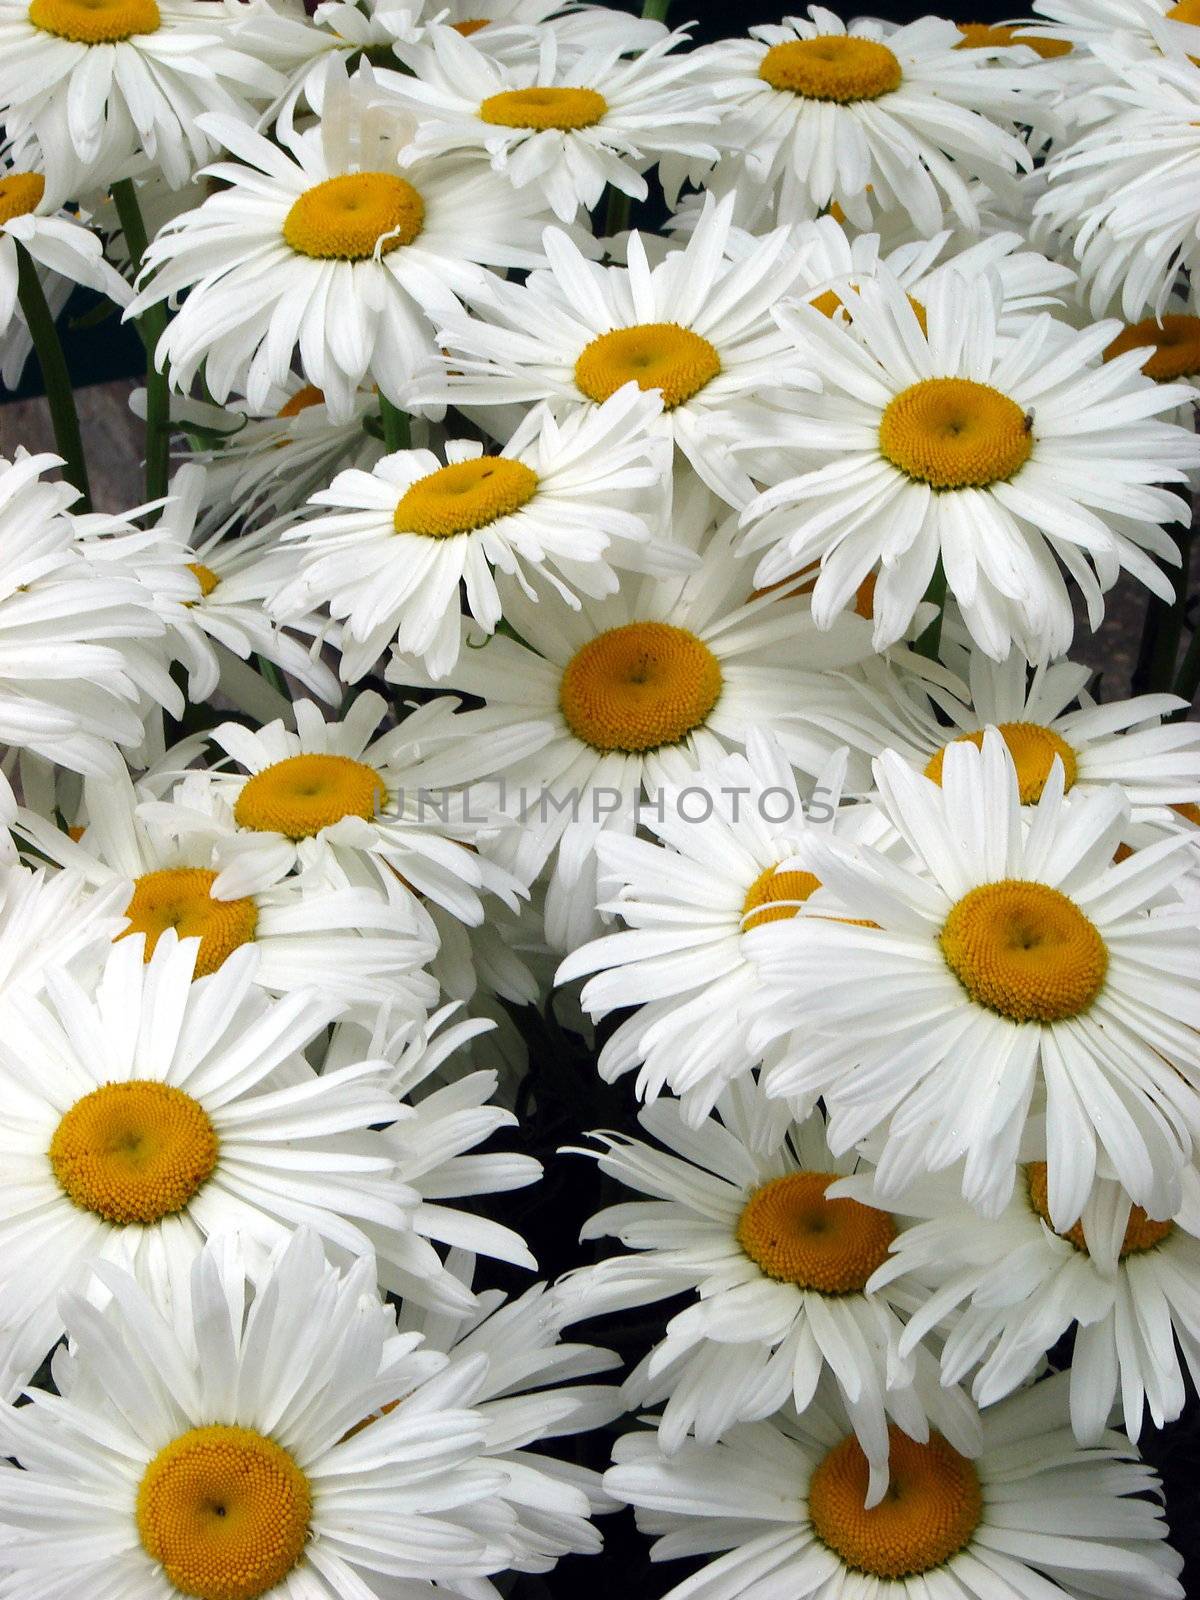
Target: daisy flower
[100,80]
[557,507]
[320,243]
[146,1111]
[64,252]
[74,662]
[1009,1287]
[341,786]
[310,931]
[525,1393]
[1125,189]
[1012,939]
[567,126]
[714,867]
[1125,742]
[1001,459]
[696,328]
[778,1274]
[624,695]
[895,119]
[220,1454]
[1032,1514]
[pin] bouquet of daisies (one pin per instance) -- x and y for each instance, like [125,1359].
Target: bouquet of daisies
[576,736]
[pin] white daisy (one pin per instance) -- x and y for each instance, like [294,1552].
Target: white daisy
[716,870]
[147,1111]
[222,1456]
[63,248]
[98,81]
[525,1392]
[999,458]
[50,920]
[321,244]
[558,507]
[345,787]
[615,700]
[1011,939]
[311,931]
[740,1221]
[1033,1514]
[1126,189]
[1126,742]
[696,328]
[1010,1288]
[875,118]
[567,126]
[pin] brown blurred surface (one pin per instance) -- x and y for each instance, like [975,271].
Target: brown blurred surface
[112,434]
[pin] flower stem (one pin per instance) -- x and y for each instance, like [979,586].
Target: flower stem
[151,325]
[655,10]
[1188,680]
[397,427]
[930,641]
[1165,622]
[55,375]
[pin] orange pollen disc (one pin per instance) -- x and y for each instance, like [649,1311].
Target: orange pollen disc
[795,1235]
[773,896]
[1142,1232]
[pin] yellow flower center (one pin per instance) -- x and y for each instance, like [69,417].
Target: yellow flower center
[1024,951]
[95,21]
[1033,749]
[303,794]
[638,687]
[981,35]
[805,581]
[953,433]
[829,303]
[654,355]
[839,67]
[225,1511]
[931,1509]
[181,898]
[1188,810]
[20,193]
[795,1235]
[205,577]
[1174,343]
[563,109]
[134,1152]
[306,395]
[773,896]
[348,218]
[1185,11]
[470,25]
[465,496]
[1141,1232]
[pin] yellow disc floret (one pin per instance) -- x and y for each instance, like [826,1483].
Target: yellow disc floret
[932,1507]
[1033,749]
[1172,345]
[775,895]
[654,355]
[303,794]
[20,193]
[95,21]
[348,218]
[1142,1232]
[638,687]
[838,67]
[134,1152]
[205,577]
[795,1235]
[225,1511]
[181,898]
[829,304]
[1025,951]
[305,396]
[465,496]
[954,433]
[538,109]
[985,35]
[470,25]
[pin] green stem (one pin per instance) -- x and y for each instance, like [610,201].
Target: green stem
[397,429]
[1188,679]
[1169,620]
[616,215]
[656,10]
[55,376]
[151,325]
[930,642]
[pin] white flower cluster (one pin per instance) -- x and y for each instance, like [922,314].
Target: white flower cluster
[657,637]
